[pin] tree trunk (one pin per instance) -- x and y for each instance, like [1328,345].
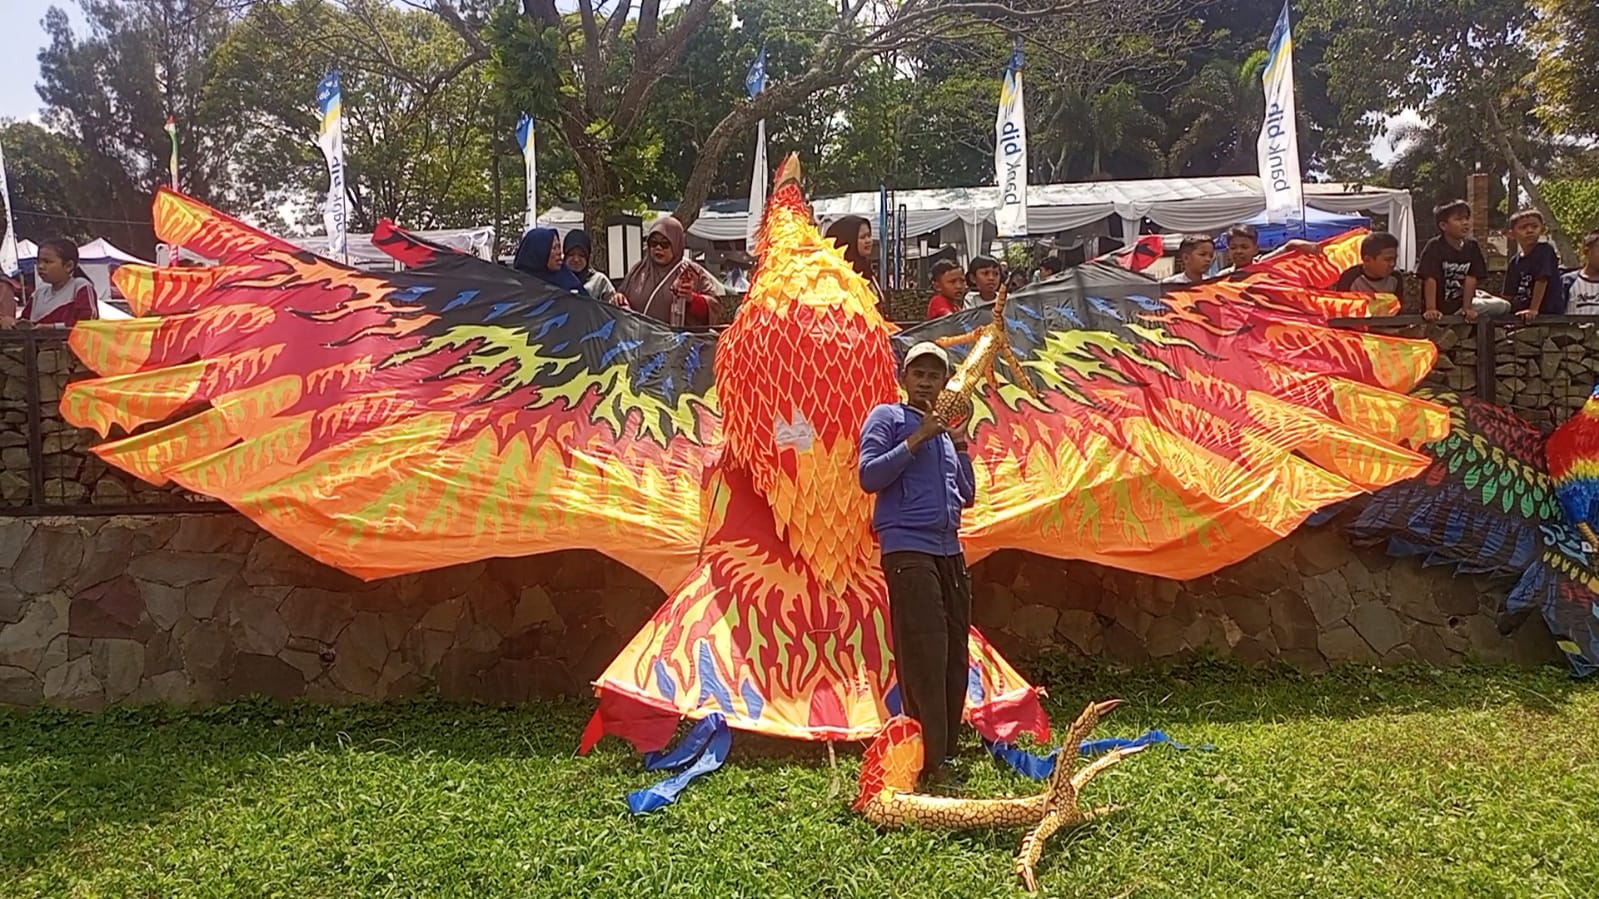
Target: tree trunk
[601,199]
[498,199]
[1519,172]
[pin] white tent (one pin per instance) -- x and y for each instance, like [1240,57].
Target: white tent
[1178,204]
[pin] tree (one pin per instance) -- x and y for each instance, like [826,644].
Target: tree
[1217,118]
[111,91]
[421,122]
[1442,58]
[597,70]
[1567,36]
[44,170]
[1108,133]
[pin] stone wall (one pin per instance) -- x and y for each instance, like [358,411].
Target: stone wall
[1542,372]
[71,475]
[200,608]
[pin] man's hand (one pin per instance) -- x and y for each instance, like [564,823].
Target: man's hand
[1432,315]
[1470,312]
[1527,315]
[932,425]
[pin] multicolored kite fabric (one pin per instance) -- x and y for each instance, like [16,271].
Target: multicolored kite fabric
[394,422]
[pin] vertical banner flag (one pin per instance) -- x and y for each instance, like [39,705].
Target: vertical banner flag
[8,246]
[1010,152]
[330,100]
[525,129]
[1278,146]
[172,160]
[755,83]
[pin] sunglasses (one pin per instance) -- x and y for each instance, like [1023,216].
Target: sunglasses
[658,242]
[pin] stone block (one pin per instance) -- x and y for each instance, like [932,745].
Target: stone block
[423,649]
[119,664]
[225,533]
[534,609]
[1083,630]
[264,675]
[444,616]
[1457,597]
[1344,644]
[207,651]
[1378,625]
[1413,594]
[316,614]
[181,569]
[1167,637]
[164,604]
[12,603]
[49,560]
[359,655]
[19,687]
[74,684]
[627,610]
[23,644]
[258,628]
[106,556]
[1122,645]
[113,609]
[169,687]
[309,664]
[210,597]
[272,562]
[1430,649]
[14,535]
[1293,623]
[1306,661]
[1034,624]
[1319,550]
[1328,597]
[1251,611]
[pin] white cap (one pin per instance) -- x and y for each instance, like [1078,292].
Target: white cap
[925,348]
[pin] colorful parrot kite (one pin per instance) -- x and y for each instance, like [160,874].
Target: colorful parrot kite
[394,422]
[1499,500]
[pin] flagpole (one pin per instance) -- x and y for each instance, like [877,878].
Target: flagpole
[335,216]
[1010,152]
[175,250]
[526,139]
[754,86]
[1277,149]
[9,264]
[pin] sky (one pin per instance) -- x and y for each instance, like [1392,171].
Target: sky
[19,68]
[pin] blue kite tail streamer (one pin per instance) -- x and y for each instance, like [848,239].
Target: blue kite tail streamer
[715,741]
[689,748]
[1039,767]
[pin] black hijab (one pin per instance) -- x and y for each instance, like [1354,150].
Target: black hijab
[533,258]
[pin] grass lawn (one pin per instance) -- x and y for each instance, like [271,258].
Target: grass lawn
[1478,783]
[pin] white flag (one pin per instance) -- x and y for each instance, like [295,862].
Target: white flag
[8,246]
[754,83]
[1278,146]
[525,132]
[1010,152]
[330,100]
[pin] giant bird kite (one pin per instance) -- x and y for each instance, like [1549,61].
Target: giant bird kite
[394,422]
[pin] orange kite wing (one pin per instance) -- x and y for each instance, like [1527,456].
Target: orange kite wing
[395,422]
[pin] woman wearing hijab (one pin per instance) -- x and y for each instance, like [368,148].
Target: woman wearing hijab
[665,280]
[578,250]
[853,234]
[539,255]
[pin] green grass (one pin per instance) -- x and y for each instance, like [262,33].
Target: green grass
[1479,783]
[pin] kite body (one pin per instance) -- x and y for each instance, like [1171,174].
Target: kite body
[394,422]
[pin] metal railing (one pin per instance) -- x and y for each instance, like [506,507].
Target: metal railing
[63,477]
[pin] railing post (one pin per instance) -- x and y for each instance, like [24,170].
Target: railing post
[30,362]
[1487,367]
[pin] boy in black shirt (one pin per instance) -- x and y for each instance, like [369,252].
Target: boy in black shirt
[1451,265]
[1379,256]
[1532,280]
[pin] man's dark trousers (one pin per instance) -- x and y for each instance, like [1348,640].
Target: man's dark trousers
[930,612]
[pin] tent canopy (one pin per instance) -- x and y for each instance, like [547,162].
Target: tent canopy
[476,241]
[1318,225]
[1178,204]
